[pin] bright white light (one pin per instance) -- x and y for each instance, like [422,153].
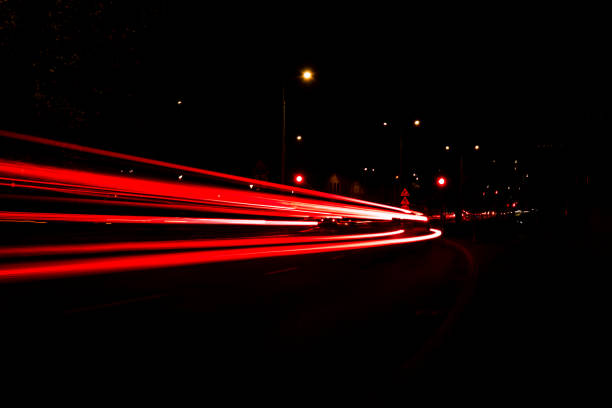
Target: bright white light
[307,75]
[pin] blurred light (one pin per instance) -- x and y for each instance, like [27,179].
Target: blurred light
[250,186]
[180,177]
[385,124]
[417,123]
[298,138]
[396,177]
[447,147]
[299,178]
[373,170]
[441,181]
[365,169]
[179,102]
[307,75]
[477,147]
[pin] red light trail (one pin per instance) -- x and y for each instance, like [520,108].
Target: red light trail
[55,269]
[43,250]
[222,176]
[23,181]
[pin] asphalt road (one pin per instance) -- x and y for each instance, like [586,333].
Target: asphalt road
[495,300]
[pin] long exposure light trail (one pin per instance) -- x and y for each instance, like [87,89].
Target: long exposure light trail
[54,269]
[279,221]
[73,249]
[146,188]
[246,181]
[133,219]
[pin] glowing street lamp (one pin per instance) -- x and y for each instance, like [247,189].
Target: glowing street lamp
[307,75]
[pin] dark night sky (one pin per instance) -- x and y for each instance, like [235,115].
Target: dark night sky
[490,76]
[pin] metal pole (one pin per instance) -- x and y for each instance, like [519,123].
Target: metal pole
[284,141]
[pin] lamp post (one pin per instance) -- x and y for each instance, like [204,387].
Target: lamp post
[306,76]
[415,124]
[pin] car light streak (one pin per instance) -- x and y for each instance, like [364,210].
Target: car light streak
[74,249]
[105,184]
[101,193]
[222,176]
[54,269]
[132,219]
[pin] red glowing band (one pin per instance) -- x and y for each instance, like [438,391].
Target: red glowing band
[228,177]
[134,219]
[73,249]
[53,269]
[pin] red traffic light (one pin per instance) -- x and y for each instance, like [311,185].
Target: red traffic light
[299,179]
[441,181]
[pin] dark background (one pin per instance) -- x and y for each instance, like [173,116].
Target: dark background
[529,85]
[523,83]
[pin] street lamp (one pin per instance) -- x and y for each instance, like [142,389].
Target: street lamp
[306,76]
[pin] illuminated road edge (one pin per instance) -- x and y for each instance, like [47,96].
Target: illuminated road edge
[96,265]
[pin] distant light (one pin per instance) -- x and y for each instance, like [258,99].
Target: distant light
[250,186]
[477,147]
[180,177]
[365,169]
[413,174]
[417,123]
[299,179]
[441,181]
[385,124]
[179,102]
[496,192]
[396,177]
[298,138]
[373,170]
[447,147]
[307,75]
